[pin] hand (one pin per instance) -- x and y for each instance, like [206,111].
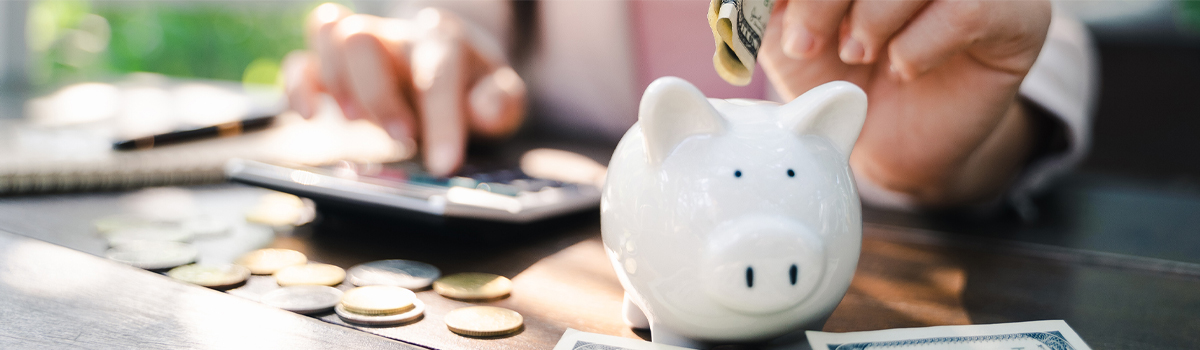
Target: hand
[944,123]
[434,79]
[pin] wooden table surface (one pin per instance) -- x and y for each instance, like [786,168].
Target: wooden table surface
[55,297]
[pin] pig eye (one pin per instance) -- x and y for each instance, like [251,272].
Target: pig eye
[791,173]
[737,173]
[792,272]
[749,277]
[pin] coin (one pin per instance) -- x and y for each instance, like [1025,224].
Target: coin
[204,226]
[483,321]
[401,273]
[311,274]
[212,276]
[378,300]
[153,255]
[111,223]
[149,232]
[281,209]
[418,309]
[473,286]
[304,299]
[267,261]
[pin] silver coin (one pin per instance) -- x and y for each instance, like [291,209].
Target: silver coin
[403,317]
[409,274]
[304,299]
[151,232]
[204,226]
[152,255]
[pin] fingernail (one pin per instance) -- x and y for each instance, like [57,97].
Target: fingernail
[486,101]
[797,42]
[852,51]
[350,111]
[397,131]
[900,73]
[441,159]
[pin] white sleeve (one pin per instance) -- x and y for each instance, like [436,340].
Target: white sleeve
[1064,82]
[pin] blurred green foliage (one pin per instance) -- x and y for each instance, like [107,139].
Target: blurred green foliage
[79,40]
[1189,14]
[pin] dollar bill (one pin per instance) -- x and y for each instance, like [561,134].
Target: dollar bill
[738,27]
[1036,335]
[579,340]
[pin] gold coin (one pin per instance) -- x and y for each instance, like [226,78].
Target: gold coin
[212,276]
[473,286]
[310,275]
[267,261]
[415,313]
[280,209]
[378,300]
[483,321]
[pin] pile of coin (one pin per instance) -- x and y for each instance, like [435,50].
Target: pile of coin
[380,306]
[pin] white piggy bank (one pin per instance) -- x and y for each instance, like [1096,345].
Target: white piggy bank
[732,221]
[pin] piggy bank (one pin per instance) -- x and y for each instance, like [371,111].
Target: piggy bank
[734,221]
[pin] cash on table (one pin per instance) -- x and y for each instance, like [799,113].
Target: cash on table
[1034,335]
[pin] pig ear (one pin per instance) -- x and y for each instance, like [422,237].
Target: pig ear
[835,110]
[673,110]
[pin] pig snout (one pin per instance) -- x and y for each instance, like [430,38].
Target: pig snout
[762,264]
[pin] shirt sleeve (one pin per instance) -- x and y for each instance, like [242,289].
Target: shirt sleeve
[1062,84]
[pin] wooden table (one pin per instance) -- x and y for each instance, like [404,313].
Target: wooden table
[55,297]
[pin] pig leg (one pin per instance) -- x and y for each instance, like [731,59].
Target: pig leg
[662,335]
[633,315]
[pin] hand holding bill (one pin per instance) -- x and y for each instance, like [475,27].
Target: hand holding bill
[945,124]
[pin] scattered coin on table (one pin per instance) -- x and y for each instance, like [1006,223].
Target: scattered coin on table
[211,275]
[206,226]
[111,223]
[473,286]
[268,261]
[304,299]
[417,310]
[151,255]
[160,233]
[409,274]
[310,274]
[378,300]
[281,209]
[483,321]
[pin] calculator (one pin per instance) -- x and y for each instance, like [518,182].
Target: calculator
[505,195]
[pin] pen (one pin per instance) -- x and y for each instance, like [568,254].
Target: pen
[219,130]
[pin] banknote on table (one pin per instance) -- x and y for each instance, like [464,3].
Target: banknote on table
[1035,335]
[738,27]
[579,340]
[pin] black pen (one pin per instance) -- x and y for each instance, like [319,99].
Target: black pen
[219,130]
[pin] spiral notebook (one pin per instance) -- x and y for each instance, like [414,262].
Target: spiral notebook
[39,159]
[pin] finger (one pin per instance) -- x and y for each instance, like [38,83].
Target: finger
[375,79]
[1012,34]
[871,25]
[439,79]
[322,38]
[497,104]
[811,26]
[300,83]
